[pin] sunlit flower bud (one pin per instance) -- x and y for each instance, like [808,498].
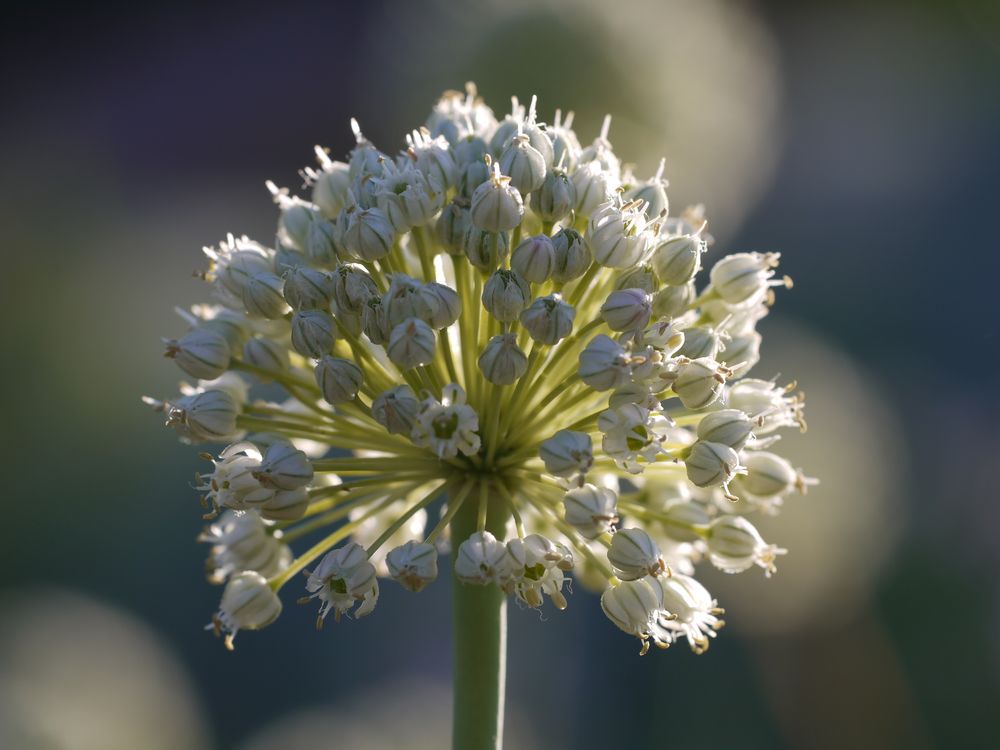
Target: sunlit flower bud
[680,515]
[523,164]
[676,260]
[312,333]
[233,263]
[505,295]
[480,559]
[285,505]
[617,235]
[671,301]
[700,382]
[484,249]
[407,197]
[365,158]
[604,364]
[654,192]
[555,198]
[321,243]
[701,341]
[207,416]
[266,354]
[712,464]
[396,409]
[297,216]
[548,319]
[331,185]
[284,467]
[507,128]
[433,157]
[201,353]
[727,426]
[352,286]
[452,225]
[308,289]
[411,343]
[741,353]
[744,278]
[343,577]
[502,361]
[768,474]
[627,309]
[338,379]
[534,258]
[375,322]
[441,305]
[368,233]
[565,144]
[591,510]
[594,187]
[662,336]
[637,608]
[413,565]
[639,277]
[567,454]
[248,603]
[572,256]
[240,541]
[449,426]
[496,204]
[633,554]
[735,545]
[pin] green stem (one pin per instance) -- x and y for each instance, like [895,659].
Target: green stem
[480,638]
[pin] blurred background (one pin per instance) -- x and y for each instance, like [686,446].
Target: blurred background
[858,138]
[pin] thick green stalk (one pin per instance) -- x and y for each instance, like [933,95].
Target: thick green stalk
[480,641]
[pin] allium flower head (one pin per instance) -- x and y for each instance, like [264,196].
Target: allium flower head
[498,322]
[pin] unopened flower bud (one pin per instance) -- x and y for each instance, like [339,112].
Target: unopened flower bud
[505,295]
[297,216]
[604,364]
[375,322]
[240,541]
[769,474]
[480,559]
[452,225]
[266,354]
[308,289]
[735,545]
[413,565]
[285,505]
[286,258]
[701,341]
[338,379]
[331,185]
[352,286]
[496,204]
[312,333]
[741,353]
[627,309]
[523,164]
[591,510]
[711,464]
[502,361]
[407,197]
[617,235]
[248,603]
[284,467]
[639,277]
[636,607]
[679,518]
[572,256]
[396,409]
[321,243]
[633,554]
[594,186]
[555,198]
[441,303]
[207,416]
[368,233]
[676,260]
[672,301]
[727,426]
[471,177]
[654,192]
[201,353]
[263,297]
[411,343]
[548,319]
[534,258]
[700,382]
[485,249]
[567,454]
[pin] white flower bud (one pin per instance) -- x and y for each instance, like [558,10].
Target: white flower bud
[331,185]
[744,278]
[555,198]
[352,287]
[433,157]
[548,319]
[627,309]
[452,225]
[286,258]
[411,343]
[297,216]
[285,505]
[567,454]
[565,145]
[700,382]
[248,603]
[701,341]
[676,260]
[321,243]
[312,333]
[413,565]
[727,426]
[403,300]
[338,379]
[523,164]
[441,304]
[375,322]
[741,353]
[639,277]
[591,510]
[633,554]
[407,197]
[672,301]
[473,175]
[480,559]
[266,354]
[496,204]
[654,192]
[284,467]
[308,289]
[396,409]
[617,235]
[201,353]
[534,258]
[572,256]
[636,607]
[234,326]
[343,577]
[711,464]
[469,149]
[207,416]
[505,295]
[234,262]
[502,361]
[594,187]
[368,233]
[240,541]
[735,545]
[604,364]
[485,249]
[769,474]
[680,515]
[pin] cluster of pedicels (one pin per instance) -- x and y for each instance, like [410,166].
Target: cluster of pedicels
[497,318]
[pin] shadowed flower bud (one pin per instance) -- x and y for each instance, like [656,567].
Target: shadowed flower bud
[534,258]
[735,545]
[284,467]
[263,296]
[248,603]
[676,260]
[480,559]
[523,164]
[633,554]
[265,354]
[240,541]
[343,577]
[505,295]
[627,310]
[591,510]
[411,343]
[312,333]
[727,426]
[672,301]
[441,304]
[496,204]
[567,454]
[201,353]
[712,464]
[768,475]
[396,409]
[338,379]
[452,225]
[413,565]
[485,249]
[368,234]
[352,287]
[617,235]
[556,197]
[207,416]
[548,319]
[308,289]
[502,361]
[604,364]
[572,256]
